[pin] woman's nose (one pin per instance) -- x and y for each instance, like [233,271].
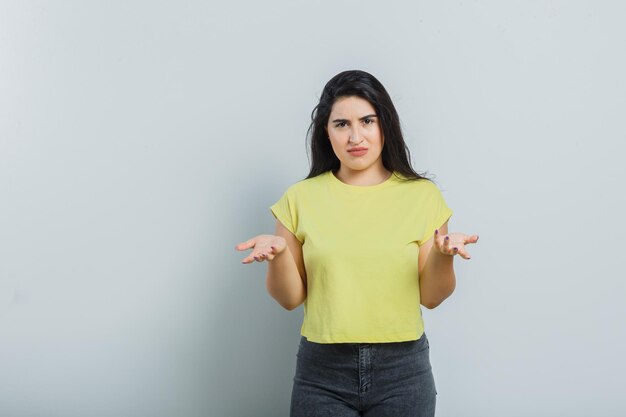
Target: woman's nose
[355,135]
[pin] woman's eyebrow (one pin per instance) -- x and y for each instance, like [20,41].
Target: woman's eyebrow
[369,116]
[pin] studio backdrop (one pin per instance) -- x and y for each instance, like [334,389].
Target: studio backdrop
[140,141]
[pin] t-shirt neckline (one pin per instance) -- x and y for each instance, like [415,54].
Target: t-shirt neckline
[361,188]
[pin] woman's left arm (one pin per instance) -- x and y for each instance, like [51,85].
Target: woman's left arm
[435,264]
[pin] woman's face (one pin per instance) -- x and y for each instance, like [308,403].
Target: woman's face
[352,125]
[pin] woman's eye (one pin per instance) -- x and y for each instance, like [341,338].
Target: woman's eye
[368,121]
[340,124]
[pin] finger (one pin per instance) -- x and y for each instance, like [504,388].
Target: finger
[441,243]
[464,254]
[437,239]
[251,258]
[471,239]
[245,245]
[446,244]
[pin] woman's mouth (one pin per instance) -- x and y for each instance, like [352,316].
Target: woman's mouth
[357,151]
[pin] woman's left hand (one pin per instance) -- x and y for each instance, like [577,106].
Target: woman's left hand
[454,243]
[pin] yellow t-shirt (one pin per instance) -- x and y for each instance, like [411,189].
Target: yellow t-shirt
[360,246]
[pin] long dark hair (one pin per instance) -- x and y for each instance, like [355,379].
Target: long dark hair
[396,156]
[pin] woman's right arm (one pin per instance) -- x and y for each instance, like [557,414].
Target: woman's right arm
[286,275]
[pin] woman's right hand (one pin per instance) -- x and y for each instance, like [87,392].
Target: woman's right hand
[264,247]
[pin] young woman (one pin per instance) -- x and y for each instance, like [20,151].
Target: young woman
[362,241]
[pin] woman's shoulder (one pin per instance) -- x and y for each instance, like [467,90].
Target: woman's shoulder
[422,182]
[422,187]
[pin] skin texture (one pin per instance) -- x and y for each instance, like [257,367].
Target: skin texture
[353,123]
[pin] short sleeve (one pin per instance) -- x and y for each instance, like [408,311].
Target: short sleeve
[284,210]
[436,212]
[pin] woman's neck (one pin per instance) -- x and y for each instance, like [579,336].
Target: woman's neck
[369,176]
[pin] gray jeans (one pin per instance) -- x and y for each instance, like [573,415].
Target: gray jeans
[363,379]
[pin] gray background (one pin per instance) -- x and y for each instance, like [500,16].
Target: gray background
[141,141]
